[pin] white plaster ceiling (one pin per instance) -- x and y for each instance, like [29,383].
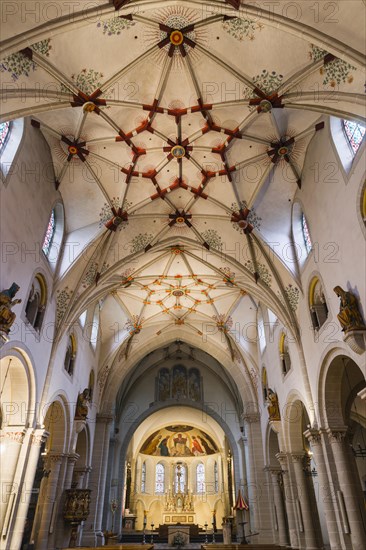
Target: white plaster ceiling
[243,95]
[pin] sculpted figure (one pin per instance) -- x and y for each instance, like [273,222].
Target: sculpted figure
[273,406]
[82,405]
[349,314]
[7,317]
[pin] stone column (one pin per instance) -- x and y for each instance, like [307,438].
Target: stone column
[350,492]
[304,501]
[243,485]
[276,474]
[28,472]
[92,533]
[259,501]
[289,499]
[326,490]
[82,478]
[11,444]
[71,461]
[78,476]
[64,529]
[53,464]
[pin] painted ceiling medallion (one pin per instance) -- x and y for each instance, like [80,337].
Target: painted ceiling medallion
[72,150]
[178,293]
[89,107]
[176,37]
[176,34]
[266,106]
[178,151]
[282,151]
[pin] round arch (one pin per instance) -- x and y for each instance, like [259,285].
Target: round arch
[56,420]
[294,415]
[157,407]
[242,374]
[340,379]
[18,387]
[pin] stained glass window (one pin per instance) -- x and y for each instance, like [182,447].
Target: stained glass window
[4,133]
[143,478]
[200,478]
[50,232]
[159,478]
[216,478]
[180,478]
[306,234]
[355,133]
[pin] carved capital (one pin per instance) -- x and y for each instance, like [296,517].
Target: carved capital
[54,458]
[314,437]
[39,437]
[274,471]
[16,437]
[282,458]
[337,435]
[297,457]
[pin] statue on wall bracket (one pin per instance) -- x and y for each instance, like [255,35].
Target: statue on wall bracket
[351,320]
[7,301]
[82,405]
[273,406]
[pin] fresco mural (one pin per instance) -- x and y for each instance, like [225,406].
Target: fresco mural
[180,440]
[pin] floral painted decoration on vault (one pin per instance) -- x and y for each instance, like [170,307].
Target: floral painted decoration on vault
[179,441]
[242,28]
[176,162]
[18,64]
[334,72]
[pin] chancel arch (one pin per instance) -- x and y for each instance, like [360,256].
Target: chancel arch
[188,453]
[173,214]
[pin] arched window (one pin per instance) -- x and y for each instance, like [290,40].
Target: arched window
[82,319]
[261,331]
[50,233]
[95,327]
[284,354]
[11,134]
[91,384]
[306,233]
[70,355]
[216,477]
[143,478]
[180,476]
[159,478]
[37,301]
[301,234]
[4,133]
[317,303]
[355,134]
[54,233]
[200,478]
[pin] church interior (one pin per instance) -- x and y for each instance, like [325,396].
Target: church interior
[182,301]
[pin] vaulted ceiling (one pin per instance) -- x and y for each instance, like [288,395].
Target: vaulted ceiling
[178,133]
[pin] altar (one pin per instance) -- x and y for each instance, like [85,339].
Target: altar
[178,535]
[174,518]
